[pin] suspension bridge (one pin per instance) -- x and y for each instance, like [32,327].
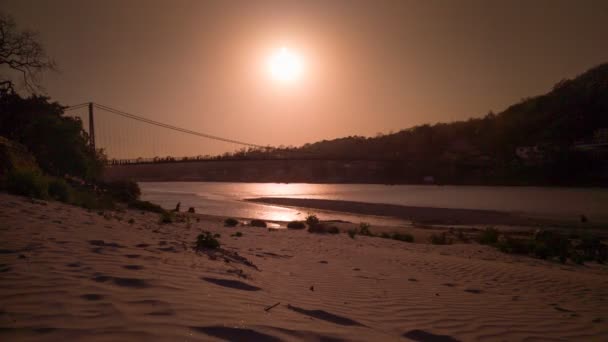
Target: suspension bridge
[129,138]
[143,149]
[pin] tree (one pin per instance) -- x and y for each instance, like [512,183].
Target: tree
[21,52]
[58,142]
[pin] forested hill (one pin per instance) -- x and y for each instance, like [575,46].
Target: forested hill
[484,150]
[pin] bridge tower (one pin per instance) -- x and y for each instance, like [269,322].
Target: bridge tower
[91,125]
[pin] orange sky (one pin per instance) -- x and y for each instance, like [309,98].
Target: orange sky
[371,66]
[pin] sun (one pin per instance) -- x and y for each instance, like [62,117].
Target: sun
[285,65]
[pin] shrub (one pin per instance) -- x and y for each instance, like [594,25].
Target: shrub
[577,257]
[131,221]
[548,244]
[258,223]
[27,183]
[489,236]
[296,225]
[125,191]
[89,200]
[230,222]
[206,240]
[323,229]
[403,237]
[514,246]
[364,229]
[59,190]
[167,217]
[333,230]
[439,239]
[460,235]
[146,206]
[318,228]
[237,234]
[385,235]
[591,248]
[312,220]
[352,233]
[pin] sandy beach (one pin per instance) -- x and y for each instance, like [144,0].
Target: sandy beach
[73,274]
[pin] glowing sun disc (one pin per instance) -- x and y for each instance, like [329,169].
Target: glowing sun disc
[285,65]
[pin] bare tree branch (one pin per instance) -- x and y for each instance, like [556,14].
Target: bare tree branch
[22,52]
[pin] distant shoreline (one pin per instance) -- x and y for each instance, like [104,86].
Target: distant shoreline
[423,215]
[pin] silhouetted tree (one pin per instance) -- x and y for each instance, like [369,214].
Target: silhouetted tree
[21,52]
[58,142]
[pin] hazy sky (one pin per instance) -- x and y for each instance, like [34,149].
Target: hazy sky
[370,66]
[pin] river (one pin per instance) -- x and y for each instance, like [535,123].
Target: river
[226,199]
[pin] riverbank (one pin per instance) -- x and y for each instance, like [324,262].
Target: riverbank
[70,274]
[428,215]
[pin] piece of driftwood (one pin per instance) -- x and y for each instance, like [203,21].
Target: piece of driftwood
[271,307]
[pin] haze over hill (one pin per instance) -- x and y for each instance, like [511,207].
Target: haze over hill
[555,138]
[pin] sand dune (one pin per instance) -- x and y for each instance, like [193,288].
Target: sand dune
[69,274]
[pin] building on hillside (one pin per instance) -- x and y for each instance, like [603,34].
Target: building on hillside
[600,136]
[529,153]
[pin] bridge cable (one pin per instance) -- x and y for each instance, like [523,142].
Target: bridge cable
[175,128]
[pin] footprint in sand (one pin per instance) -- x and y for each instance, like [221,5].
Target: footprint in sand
[91,297]
[424,336]
[325,316]
[236,334]
[133,267]
[102,243]
[233,284]
[123,282]
[475,291]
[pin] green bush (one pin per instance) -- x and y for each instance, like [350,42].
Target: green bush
[206,240]
[167,217]
[323,229]
[403,237]
[27,183]
[364,229]
[591,248]
[312,220]
[146,206]
[554,245]
[333,230]
[548,244]
[385,235]
[515,246]
[296,225]
[258,223]
[89,200]
[230,222]
[237,234]
[352,233]
[59,190]
[489,236]
[318,228]
[125,191]
[440,239]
